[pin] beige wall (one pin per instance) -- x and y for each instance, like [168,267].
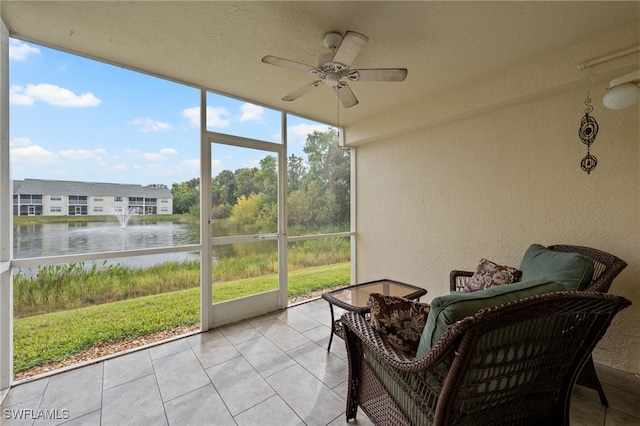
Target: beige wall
[488,182]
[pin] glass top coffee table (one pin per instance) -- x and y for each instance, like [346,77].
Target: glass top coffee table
[354,298]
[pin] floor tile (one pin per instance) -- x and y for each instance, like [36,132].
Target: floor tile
[316,311]
[239,332]
[324,365]
[199,407]
[133,403]
[285,337]
[312,400]
[621,379]
[212,348]
[618,418]
[26,391]
[361,420]
[298,321]
[91,419]
[126,368]
[265,356]
[264,319]
[78,391]
[21,413]
[179,374]
[237,375]
[169,348]
[239,385]
[622,399]
[272,412]
[587,411]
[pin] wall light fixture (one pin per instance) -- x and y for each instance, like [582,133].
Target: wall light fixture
[623,91]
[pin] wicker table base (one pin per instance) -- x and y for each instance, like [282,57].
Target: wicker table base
[354,298]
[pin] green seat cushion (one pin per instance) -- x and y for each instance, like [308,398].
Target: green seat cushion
[572,269]
[446,310]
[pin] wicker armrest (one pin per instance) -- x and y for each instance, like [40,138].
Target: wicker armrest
[399,360]
[457,279]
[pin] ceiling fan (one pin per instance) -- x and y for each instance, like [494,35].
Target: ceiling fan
[333,67]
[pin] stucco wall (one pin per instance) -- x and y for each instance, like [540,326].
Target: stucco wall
[491,183]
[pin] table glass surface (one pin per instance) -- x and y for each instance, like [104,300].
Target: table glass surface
[358,295]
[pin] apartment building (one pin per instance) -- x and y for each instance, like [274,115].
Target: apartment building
[39,197]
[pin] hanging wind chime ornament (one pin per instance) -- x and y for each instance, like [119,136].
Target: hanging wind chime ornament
[587,133]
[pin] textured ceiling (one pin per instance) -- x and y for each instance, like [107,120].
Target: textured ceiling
[219,45]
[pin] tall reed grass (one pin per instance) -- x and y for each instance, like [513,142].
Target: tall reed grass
[62,287]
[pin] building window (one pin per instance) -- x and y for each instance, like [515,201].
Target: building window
[97,209]
[55,209]
[97,199]
[117,199]
[164,201]
[77,210]
[164,209]
[30,199]
[56,198]
[78,200]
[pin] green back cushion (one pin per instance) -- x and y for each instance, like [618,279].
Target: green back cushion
[573,270]
[446,310]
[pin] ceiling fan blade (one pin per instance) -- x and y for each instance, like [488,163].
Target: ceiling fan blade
[346,96]
[302,91]
[381,74]
[281,62]
[351,44]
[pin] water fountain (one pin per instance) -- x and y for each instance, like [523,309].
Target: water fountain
[123,217]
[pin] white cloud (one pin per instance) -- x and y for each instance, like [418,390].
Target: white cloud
[193,165]
[20,51]
[152,156]
[299,132]
[94,155]
[216,116]
[20,142]
[33,154]
[160,155]
[147,124]
[51,94]
[251,112]
[18,97]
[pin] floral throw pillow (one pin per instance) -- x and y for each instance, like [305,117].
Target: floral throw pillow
[400,320]
[489,274]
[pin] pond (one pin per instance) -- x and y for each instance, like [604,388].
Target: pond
[57,239]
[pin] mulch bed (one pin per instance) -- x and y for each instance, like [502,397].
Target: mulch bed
[111,348]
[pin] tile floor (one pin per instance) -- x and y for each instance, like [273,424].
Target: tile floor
[270,370]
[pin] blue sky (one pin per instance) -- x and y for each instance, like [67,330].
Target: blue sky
[77,119]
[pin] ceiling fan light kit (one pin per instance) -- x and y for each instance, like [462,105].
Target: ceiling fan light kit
[334,65]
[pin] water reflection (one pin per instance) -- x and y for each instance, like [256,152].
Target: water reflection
[56,239]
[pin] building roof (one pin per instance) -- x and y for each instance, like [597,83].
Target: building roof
[63,187]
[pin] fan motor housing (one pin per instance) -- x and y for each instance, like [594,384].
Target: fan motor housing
[332,40]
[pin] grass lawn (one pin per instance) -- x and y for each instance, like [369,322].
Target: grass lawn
[53,337]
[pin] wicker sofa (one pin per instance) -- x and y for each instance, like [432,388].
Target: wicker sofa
[606,267]
[515,363]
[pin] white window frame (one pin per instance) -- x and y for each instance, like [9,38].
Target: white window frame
[7,263]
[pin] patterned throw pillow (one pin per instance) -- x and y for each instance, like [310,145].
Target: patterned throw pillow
[489,274]
[400,320]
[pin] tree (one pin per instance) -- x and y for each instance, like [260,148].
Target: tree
[266,179]
[296,171]
[330,173]
[186,196]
